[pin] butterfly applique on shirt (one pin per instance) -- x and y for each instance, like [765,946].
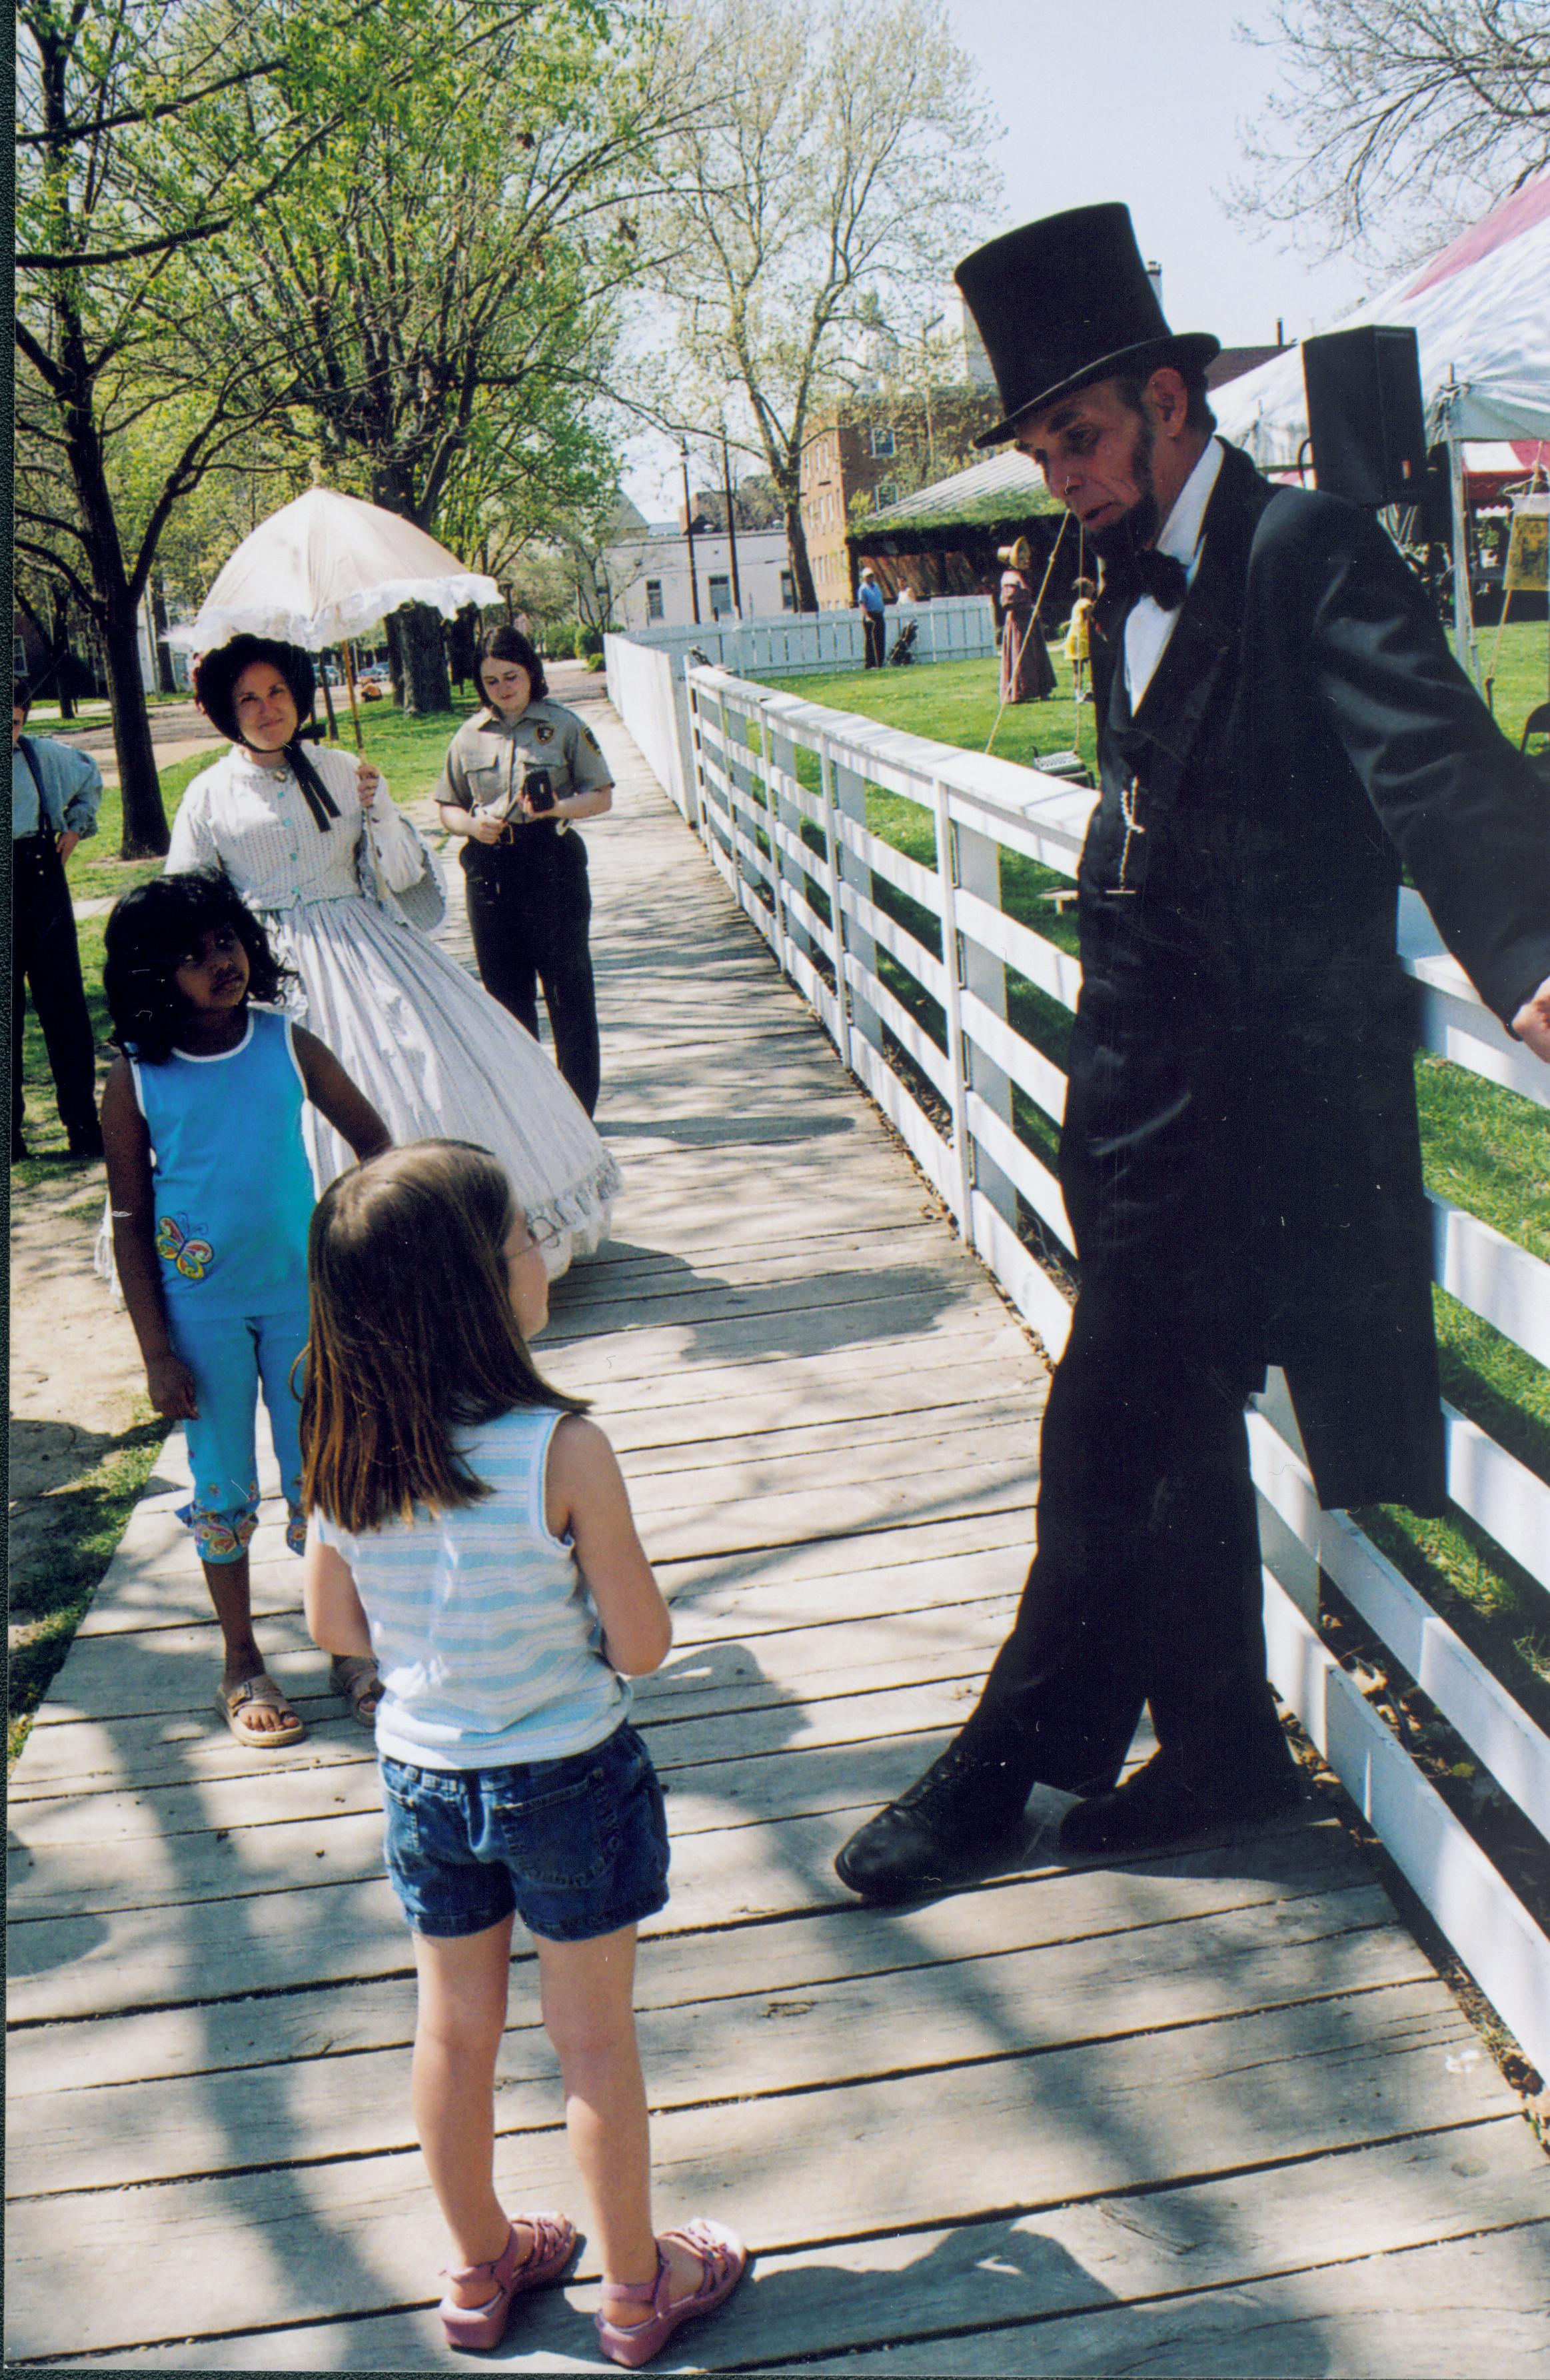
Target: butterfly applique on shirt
[193,1258]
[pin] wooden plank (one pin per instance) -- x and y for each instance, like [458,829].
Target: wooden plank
[983,1349]
[843,2031]
[755,1426]
[866,1303]
[705,1681]
[166,1670]
[317,1927]
[1320,2221]
[1467,2307]
[731,1472]
[1048,1905]
[709,1610]
[296,2244]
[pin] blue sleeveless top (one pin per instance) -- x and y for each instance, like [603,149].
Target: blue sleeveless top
[231,1184]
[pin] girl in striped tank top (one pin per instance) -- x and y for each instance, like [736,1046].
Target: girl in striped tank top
[471,1529]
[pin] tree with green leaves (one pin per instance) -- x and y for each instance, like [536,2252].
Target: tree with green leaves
[148,129]
[820,195]
[438,285]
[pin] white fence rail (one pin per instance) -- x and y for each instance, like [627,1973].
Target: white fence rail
[951,628]
[777,790]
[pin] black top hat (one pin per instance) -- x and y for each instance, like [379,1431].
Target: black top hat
[1066,301]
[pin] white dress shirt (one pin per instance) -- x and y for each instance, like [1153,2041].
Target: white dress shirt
[1147,626]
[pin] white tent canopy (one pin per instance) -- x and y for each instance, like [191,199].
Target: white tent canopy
[1481,309]
[327,567]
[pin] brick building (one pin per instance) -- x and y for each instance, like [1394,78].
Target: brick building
[869,452]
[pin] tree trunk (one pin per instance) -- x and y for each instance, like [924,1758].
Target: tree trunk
[145,823]
[426,686]
[796,547]
[63,659]
[115,601]
[393,629]
[165,678]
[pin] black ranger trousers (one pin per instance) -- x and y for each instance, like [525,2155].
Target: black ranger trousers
[46,957]
[1145,1586]
[529,924]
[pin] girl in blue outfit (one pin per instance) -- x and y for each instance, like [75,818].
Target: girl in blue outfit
[211,1195]
[471,1529]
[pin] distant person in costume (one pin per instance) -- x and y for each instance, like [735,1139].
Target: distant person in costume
[212,1194]
[518,777]
[349,892]
[54,793]
[1076,644]
[1027,672]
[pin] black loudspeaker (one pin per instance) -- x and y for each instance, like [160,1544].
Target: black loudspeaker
[1364,414]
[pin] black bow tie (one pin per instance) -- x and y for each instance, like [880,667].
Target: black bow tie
[1145,571]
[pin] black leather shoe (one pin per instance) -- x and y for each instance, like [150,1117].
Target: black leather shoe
[1163,1803]
[955,1822]
[88,1142]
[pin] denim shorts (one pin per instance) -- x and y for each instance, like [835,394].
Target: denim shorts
[577,1847]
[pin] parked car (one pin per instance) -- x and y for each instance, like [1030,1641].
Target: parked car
[375,682]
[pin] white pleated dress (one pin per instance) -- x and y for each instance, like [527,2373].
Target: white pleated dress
[435,1055]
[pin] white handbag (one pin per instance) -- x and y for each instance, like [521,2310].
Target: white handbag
[423,903]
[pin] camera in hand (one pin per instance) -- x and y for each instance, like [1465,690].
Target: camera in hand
[538,791]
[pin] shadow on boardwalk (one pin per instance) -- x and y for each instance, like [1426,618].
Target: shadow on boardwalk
[1211,2112]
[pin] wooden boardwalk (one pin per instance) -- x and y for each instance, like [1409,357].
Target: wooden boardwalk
[1207,2113]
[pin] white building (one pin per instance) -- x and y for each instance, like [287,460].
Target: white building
[649,577]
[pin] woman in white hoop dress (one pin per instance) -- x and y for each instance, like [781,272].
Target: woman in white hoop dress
[435,1055]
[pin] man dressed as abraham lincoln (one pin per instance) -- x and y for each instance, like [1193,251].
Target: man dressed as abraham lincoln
[1281,731]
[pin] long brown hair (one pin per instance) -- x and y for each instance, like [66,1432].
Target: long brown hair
[412,1332]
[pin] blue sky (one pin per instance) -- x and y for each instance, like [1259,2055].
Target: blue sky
[1125,99]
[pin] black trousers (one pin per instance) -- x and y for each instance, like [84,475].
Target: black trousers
[529,914]
[45,955]
[1145,1586]
[873,629]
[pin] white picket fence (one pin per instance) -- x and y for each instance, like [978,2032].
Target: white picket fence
[951,628]
[729,760]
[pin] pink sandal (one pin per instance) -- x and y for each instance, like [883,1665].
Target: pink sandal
[725,2261]
[554,2245]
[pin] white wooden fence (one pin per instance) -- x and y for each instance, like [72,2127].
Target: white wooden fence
[792,842]
[951,628]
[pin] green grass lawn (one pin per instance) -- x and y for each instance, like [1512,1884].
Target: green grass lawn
[1484,1149]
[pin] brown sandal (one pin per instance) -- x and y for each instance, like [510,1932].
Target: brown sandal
[355,1676]
[232,1704]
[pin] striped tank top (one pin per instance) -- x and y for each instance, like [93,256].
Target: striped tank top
[488,1648]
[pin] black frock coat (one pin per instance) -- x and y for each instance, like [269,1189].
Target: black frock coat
[1241,1139]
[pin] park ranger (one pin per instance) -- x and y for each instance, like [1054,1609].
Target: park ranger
[517,777]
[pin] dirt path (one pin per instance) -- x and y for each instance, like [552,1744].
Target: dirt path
[177,731]
[77,1384]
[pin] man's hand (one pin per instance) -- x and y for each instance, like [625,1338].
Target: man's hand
[1532,1023]
[369,778]
[67,844]
[485,826]
[171,1385]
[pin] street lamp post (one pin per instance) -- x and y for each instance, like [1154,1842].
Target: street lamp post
[689,527]
[732,526]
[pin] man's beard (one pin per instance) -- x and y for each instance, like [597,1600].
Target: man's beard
[1116,545]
